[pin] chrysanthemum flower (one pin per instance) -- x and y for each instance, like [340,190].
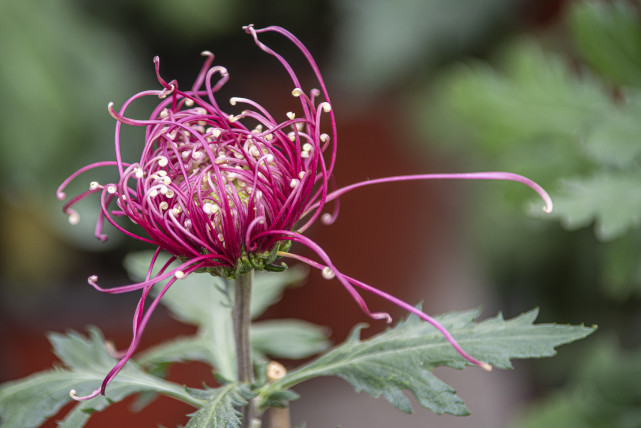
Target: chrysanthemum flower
[227,197]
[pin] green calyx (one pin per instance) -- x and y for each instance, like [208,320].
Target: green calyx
[263,261]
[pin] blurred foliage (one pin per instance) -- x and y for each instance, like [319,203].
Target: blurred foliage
[195,18]
[602,393]
[608,38]
[567,117]
[382,42]
[567,126]
[60,67]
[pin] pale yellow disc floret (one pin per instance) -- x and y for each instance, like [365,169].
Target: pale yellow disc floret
[328,273]
[74,218]
[327,107]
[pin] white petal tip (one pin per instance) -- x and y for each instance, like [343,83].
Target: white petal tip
[486,367]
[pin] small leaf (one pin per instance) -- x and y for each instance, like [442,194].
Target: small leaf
[29,402]
[403,358]
[220,411]
[611,200]
[288,338]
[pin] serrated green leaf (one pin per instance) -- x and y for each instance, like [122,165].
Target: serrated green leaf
[288,338]
[608,35]
[611,200]
[403,358]
[220,411]
[29,402]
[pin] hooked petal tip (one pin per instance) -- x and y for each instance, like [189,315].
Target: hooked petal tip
[383,316]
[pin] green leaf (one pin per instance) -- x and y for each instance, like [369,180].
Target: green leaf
[611,200]
[288,338]
[608,36]
[220,411]
[403,358]
[29,402]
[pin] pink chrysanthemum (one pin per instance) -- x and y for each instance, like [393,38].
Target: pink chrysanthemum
[226,198]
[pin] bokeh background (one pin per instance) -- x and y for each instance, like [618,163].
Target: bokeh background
[547,89]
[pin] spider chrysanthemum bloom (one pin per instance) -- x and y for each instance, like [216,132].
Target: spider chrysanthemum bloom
[226,197]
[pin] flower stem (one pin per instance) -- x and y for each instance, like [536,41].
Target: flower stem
[242,321]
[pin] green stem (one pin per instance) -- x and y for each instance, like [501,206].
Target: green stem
[242,321]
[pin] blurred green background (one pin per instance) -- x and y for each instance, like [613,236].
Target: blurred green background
[547,89]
